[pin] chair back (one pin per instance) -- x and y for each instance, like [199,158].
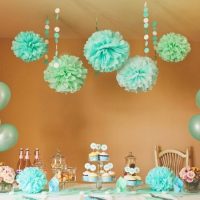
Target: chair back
[173,159]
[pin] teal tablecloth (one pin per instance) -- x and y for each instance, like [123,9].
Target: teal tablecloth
[83,192]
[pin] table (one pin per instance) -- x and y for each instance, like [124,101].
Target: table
[81,192]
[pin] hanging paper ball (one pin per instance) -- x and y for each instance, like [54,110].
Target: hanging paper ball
[29,46]
[139,74]
[160,179]
[194,126]
[65,74]
[32,180]
[173,47]
[106,51]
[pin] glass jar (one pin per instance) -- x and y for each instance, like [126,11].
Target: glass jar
[58,162]
[69,174]
[5,187]
[192,187]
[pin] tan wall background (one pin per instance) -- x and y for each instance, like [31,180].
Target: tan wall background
[101,112]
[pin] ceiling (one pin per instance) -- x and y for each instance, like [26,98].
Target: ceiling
[78,16]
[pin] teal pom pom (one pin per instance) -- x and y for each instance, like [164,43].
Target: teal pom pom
[106,51]
[160,179]
[32,180]
[29,46]
[139,74]
[65,74]
[173,47]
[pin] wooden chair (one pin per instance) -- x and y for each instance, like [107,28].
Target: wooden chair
[173,159]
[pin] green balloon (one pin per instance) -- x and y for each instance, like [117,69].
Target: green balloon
[194,126]
[5,95]
[197,98]
[8,136]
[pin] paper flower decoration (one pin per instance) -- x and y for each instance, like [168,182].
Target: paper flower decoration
[106,51]
[173,47]
[29,46]
[31,180]
[160,179]
[139,74]
[65,74]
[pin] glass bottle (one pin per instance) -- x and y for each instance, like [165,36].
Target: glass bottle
[27,158]
[36,157]
[130,161]
[20,163]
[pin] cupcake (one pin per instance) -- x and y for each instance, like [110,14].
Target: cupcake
[106,177]
[103,156]
[133,180]
[92,177]
[112,174]
[93,156]
[85,176]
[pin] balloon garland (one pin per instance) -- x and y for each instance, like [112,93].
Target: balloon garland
[8,132]
[139,74]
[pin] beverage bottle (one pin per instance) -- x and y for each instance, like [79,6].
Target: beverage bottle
[36,158]
[27,158]
[20,163]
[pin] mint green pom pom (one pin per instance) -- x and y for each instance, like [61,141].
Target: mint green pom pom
[29,46]
[32,180]
[68,76]
[139,74]
[160,179]
[106,51]
[173,47]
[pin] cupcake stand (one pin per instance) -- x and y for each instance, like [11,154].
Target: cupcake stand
[98,170]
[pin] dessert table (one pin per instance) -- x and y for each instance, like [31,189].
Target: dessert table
[83,192]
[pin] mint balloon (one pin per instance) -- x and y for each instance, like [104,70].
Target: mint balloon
[8,136]
[5,95]
[194,126]
[197,98]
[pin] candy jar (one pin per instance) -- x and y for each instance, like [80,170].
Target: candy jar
[130,161]
[58,162]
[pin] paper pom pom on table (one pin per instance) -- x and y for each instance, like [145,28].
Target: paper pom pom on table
[160,179]
[139,74]
[106,51]
[173,47]
[5,95]
[32,180]
[194,126]
[65,74]
[29,46]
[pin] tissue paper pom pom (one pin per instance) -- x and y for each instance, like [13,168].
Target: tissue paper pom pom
[106,51]
[160,179]
[31,180]
[139,74]
[68,76]
[29,46]
[173,47]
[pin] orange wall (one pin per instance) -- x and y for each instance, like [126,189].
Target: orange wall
[101,112]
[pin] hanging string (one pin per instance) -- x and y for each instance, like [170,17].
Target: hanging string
[46,32]
[97,28]
[56,36]
[146,28]
[155,38]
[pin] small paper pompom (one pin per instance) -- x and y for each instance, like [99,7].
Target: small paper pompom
[173,47]
[139,74]
[106,51]
[160,179]
[31,180]
[29,46]
[65,74]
